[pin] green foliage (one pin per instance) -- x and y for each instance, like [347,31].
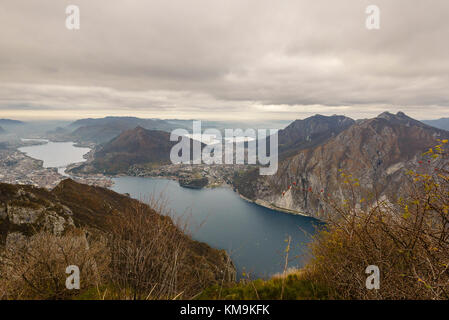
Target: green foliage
[295,288]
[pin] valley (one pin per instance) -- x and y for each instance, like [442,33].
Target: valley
[312,152]
[248,215]
[255,246]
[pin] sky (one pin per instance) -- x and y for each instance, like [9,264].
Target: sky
[223,60]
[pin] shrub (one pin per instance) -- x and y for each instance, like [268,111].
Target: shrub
[407,240]
[153,258]
[35,267]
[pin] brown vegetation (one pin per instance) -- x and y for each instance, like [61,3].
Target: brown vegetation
[152,258]
[125,249]
[34,268]
[407,240]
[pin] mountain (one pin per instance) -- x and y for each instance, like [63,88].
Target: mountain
[375,151]
[105,129]
[9,122]
[137,146]
[303,134]
[442,123]
[87,212]
[119,121]
[57,130]
[96,134]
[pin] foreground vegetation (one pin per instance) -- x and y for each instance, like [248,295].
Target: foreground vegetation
[138,253]
[293,286]
[124,249]
[408,241]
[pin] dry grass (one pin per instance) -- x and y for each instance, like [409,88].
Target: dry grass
[34,268]
[139,253]
[146,252]
[152,256]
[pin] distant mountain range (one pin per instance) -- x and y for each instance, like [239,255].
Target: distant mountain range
[57,130]
[105,129]
[101,130]
[9,122]
[442,123]
[120,121]
[313,152]
[375,151]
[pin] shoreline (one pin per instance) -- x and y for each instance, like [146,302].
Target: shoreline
[265,204]
[257,202]
[59,172]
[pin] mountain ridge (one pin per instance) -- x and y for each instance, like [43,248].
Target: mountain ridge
[10,122]
[309,132]
[374,151]
[138,146]
[442,123]
[103,130]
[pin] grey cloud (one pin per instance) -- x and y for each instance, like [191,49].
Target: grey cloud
[225,59]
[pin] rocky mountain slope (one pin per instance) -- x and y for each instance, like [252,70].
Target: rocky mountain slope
[375,151]
[26,210]
[307,133]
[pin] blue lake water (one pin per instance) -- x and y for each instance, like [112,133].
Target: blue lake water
[254,236]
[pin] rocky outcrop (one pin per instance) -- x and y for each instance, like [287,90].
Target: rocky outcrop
[193,183]
[376,152]
[26,210]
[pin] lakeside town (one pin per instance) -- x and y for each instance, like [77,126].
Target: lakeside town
[191,176]
[18,168]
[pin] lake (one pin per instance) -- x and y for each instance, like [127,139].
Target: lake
[254,236]
[55,154]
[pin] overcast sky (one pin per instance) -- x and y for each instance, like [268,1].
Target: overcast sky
[223,59]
